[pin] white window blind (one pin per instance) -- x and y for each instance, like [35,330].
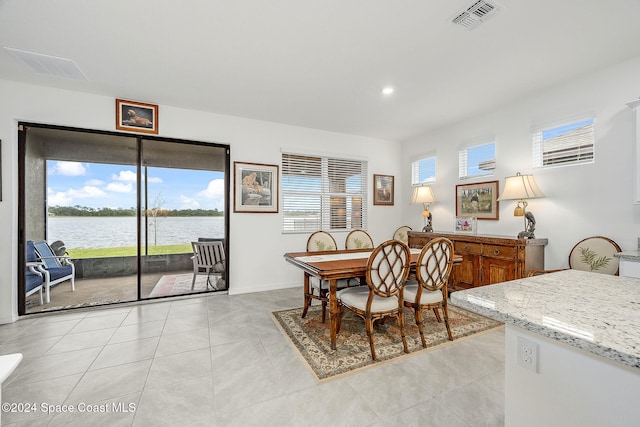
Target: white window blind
[423,170]
[571,143]
[477,160]
[323,193]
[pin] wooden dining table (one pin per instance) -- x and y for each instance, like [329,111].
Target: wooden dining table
[335,265]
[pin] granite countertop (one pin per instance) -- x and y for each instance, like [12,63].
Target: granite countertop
[595,312]
[630,255]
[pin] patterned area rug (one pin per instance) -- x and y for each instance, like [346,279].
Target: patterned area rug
[180,284]
[311,338]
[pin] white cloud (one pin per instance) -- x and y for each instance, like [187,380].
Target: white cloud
[188,203]
[66,198]
[69,169]
[125,176]
[94,182]
[214,190]
[155,180]
[119,187]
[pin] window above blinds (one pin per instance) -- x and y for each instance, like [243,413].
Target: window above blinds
[477,160]
[567,144]
[423,170]
[323,193]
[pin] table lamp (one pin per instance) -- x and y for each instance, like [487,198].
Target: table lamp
[521,187]
[423,194]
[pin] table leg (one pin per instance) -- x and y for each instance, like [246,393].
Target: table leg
[333,311]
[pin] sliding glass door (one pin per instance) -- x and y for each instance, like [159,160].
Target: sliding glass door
[124,209]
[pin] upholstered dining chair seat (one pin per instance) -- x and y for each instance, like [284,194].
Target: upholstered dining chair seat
[427,297]
[357,297]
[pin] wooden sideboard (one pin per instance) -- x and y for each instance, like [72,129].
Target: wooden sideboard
[487,259]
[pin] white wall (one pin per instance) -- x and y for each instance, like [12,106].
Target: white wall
[581,200]
[256,242]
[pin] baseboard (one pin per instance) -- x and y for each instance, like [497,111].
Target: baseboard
[270,287]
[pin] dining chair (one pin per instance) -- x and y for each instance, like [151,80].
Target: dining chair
[595,254]
[402,234]
[387,271]
[429,290]
[358,239]
[320,241]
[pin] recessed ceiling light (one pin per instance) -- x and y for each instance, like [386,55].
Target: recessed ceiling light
[387,90]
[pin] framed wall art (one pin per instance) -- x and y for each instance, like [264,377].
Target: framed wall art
[467,225]
[256,188]
[136,116]
[383,190]
[479,200]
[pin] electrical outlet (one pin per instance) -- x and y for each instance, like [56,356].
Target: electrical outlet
[527,354]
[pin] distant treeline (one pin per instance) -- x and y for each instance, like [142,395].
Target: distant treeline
[87,211]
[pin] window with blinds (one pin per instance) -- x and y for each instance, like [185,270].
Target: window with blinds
[568,144]
[423,170]
[477,160]
[323,193]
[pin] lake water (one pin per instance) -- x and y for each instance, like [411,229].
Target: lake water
[102,232]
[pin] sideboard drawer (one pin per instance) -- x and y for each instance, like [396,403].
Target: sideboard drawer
[498,251]
[466,248]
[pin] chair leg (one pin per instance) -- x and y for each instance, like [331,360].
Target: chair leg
[417,313]
[324,310]
[368,323]
[437,313]
[41,300]
[307,303]
[193,281]
[401,325]
[73,283]
[446,321]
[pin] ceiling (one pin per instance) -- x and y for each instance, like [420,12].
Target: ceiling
[320,64]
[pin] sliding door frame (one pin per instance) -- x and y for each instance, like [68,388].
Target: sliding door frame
[22,141]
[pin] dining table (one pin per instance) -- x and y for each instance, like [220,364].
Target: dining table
[334,265]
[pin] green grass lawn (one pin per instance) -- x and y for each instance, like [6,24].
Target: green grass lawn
[128,251]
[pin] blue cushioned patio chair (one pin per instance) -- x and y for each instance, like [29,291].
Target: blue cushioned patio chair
[34,277]
[56,269]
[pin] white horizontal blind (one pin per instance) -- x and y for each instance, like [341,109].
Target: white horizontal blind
[571,143]
[323,193]
[423,170]
[477,160]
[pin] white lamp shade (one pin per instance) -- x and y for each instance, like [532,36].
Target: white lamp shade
[520,187]
[423,194]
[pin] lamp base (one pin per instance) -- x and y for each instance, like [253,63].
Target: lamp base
[526,235]
[427,229]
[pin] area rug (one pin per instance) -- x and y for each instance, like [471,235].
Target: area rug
[311,338]
[180,284]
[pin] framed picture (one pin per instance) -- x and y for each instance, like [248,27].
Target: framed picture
[479,200]
[383,190]
[136,116]
[466,225]
[256,188]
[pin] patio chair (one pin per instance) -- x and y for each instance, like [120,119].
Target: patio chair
[34,278]
[56,269]
[208,258]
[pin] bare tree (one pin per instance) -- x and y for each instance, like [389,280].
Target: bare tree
[154,214]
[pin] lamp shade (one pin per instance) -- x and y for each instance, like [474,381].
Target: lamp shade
[423,194]
[520,187]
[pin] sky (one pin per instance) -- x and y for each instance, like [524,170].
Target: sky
[98,185]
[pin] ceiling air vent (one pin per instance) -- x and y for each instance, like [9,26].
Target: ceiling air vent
[477,13]
[49,65]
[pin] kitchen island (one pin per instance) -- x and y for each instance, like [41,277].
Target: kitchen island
[572,347]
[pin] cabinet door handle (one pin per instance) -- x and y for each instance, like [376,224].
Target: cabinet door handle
[466,248]
[496,251]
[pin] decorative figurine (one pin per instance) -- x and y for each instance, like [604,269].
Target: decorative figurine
[530,227]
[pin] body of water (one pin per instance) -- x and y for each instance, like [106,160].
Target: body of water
[104,232]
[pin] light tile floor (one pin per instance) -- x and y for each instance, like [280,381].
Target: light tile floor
[220,360]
